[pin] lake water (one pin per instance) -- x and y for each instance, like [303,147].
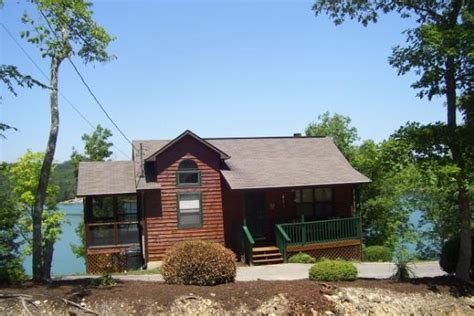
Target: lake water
[64,261]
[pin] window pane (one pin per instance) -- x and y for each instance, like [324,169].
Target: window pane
[297,196]
[102,235]
[305,209]
[102,208]
[189,205]
[127,208]
[190,219]
[323,194]
[307,195]
[128,234]
[187,164]
[188,177]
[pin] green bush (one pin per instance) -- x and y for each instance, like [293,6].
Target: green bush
[301,257]
[377,254]
[333,270]
[199,263]
[449,256]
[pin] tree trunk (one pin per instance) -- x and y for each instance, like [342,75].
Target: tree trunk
[40,196]
[464,260]
[47,258]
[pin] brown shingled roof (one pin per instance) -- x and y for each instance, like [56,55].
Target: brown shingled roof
[105,177]
[267,162]
[251,163]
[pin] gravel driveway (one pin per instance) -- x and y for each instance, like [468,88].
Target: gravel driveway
[298,271]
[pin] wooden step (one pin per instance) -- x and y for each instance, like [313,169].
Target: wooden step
[268,261]
[264,255]
[265,249]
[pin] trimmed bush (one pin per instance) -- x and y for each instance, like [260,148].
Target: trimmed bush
[199,263]
[449,256]
[377,254]
[301,257]
[333,270]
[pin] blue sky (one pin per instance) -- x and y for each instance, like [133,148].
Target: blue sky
[218,68]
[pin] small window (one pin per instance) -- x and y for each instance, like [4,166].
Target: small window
[188,174]
[189,210]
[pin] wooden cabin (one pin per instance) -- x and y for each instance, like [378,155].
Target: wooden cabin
[265,198]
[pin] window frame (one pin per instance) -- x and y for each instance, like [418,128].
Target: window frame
[178,210]
[188,171]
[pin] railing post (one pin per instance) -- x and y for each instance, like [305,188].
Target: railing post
[303,231]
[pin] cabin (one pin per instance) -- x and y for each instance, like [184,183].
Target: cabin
[265,198]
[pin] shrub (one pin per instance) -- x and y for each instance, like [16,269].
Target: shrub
[404,267]
[199,263]
[448,259]
[377,254]
[333,270]
[301,257]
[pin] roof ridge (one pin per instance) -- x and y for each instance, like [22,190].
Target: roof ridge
[236,137]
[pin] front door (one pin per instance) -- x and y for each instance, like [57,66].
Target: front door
[255,214]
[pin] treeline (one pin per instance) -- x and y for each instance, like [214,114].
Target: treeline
[63,177]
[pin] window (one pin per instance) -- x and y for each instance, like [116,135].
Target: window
[102,209]
[314,203]
[188,174]
[189,210]
[127,208]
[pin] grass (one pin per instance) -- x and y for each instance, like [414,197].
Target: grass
[141,272]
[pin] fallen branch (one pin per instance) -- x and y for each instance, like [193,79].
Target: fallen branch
[14,295]
[79,306]
[23,302]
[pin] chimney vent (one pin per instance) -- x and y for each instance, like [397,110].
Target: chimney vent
[297,135]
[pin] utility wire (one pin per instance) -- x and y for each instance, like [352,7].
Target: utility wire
[84,81]
[46,77]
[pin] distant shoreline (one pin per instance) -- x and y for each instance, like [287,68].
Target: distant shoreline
[72,201]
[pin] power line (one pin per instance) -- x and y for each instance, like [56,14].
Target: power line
[84,81]
[46,77]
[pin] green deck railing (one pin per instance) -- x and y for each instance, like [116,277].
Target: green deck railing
[282,241]
[248,244]
[321,231]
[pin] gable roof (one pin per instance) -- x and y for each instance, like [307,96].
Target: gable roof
[105,177]
[250,163]
[270,162]
[222,154]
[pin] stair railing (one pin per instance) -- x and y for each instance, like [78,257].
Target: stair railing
[282,241]
[248,245]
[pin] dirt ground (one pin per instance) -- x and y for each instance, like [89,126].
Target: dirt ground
[268,297]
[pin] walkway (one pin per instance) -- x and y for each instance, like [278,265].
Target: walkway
[297,271]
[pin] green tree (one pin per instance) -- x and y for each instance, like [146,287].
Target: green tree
[96,148]
[24,179]
[339,128]
[66,29]
[11,269]
[440,50]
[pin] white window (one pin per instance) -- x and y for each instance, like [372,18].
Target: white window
[189,209]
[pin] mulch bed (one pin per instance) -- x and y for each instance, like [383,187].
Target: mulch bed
[303,295]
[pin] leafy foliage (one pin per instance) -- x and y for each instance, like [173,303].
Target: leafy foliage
[23,176]
[301,257]
[339,128]
[96,148]
[377,254]
[450,254]
[199,263]
[80,250]
[333,270]
[63,178]
[11,269]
